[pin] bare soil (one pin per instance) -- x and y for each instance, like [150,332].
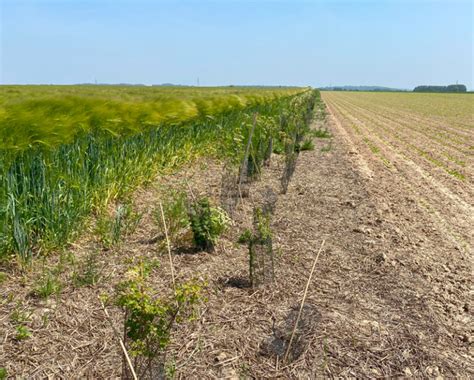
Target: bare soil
[389,297]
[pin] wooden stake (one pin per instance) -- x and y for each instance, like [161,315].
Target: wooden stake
[302,303]
[168,245]
[122,345]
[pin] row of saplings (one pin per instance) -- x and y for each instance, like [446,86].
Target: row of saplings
[149,320]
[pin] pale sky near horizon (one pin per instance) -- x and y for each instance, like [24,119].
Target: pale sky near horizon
[395,43]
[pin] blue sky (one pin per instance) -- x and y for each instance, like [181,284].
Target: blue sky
[387,42]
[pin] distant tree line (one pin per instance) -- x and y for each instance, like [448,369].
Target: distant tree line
[450,88]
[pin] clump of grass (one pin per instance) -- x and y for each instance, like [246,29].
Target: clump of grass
[175,215]
[373,148]
[307,144]
[456,174]
[321,133]
[111,230]
[88,272]
[19,317]
[386,162]
[22,332]
[47,285]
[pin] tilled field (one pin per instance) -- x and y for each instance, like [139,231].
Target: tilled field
[431,158]
[418,171]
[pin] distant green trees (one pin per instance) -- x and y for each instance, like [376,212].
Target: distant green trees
[450,88]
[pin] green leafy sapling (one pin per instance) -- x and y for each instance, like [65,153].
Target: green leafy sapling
[207,223]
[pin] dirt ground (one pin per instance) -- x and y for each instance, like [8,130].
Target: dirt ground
[389,296]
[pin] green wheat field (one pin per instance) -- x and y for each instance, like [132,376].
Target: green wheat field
[68,150]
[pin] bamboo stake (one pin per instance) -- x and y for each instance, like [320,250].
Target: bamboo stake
[122,345]
[302,303]
[168,245]
[191,191]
